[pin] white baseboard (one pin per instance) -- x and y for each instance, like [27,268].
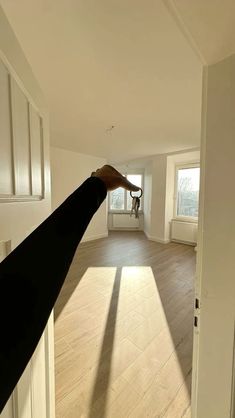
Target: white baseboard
[157,239]
[94,237]
[193,244]
[124,229]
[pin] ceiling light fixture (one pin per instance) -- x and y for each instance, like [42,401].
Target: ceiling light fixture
[110,129]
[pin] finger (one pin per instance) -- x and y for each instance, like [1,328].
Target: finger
[129,186]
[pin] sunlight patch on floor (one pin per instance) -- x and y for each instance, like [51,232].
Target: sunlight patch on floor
[114,344]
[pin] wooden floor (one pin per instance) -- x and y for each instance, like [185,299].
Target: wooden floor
[123,330]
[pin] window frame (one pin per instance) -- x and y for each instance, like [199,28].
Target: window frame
[193,219]
[125,210]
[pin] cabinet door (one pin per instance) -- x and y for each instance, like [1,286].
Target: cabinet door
[21,140]
[6,169]
[36,151]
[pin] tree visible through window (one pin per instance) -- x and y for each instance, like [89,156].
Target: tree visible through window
[120,199]
[117,199]
[188,191]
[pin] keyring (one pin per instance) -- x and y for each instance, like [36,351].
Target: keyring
[141,192]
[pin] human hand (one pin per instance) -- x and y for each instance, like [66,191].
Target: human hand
[113,179]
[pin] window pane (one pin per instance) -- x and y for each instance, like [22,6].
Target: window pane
[136,180]
[188,191]
[117,199]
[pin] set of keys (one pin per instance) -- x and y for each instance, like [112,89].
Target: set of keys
[136,204]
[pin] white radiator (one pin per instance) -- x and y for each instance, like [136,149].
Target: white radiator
[184,231]
[124,220]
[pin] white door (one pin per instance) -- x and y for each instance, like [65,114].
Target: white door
[25,200]
[214,365]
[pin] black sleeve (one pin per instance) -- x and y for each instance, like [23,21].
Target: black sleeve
[32,275]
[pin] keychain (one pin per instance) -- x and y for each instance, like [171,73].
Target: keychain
[136,204]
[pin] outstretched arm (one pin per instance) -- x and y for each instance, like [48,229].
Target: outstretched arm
[32,275]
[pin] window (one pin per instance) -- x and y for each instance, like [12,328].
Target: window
[120,199]
[117,199]
[187,191]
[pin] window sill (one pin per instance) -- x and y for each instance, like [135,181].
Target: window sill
[184,219]
[122,212]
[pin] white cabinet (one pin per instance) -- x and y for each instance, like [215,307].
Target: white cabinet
[21,143]
[6,169]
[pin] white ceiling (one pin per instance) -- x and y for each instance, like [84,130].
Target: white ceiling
[115,62]
[211,24]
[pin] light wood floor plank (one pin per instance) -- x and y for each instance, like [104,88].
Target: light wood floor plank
[187,414]
[166,384]
[180,406]
[123,330]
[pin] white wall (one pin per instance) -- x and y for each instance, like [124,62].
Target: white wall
[68,170]
[148,198]
[158,201]
[216,249]
[170,191]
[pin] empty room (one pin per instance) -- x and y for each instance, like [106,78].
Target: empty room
[117,209]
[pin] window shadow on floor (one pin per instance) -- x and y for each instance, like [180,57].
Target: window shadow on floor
[103,373]
[173,267]
[72,280]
